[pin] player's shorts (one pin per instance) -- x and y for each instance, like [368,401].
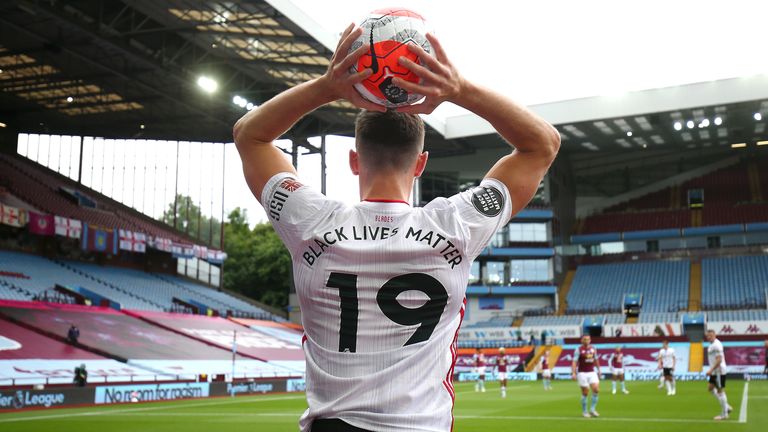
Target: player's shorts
[481,370]
[546,373]
[717,380]
[503,375]
[619,371]
[586,379]
[668,372]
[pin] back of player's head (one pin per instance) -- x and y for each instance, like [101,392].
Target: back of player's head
[388,141]
[665,342]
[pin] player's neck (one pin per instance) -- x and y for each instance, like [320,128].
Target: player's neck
[385,187]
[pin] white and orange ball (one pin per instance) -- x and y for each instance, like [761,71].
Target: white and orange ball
[389,31]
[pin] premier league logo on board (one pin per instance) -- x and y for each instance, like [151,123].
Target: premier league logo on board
[487,200]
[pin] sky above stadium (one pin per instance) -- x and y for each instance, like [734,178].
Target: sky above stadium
[553,50]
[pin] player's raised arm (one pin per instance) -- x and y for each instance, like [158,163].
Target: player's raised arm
[255,132]
[535,141]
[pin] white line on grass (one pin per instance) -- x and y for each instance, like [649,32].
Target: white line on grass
[744,404]
[152,408]
[614,419]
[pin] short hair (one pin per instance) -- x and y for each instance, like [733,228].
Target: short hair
[711,331]
[388,140]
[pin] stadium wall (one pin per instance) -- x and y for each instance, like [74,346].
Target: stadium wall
[488,307]
[61,397]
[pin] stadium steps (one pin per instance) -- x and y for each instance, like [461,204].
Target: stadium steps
[675,197]
[518,322]
[694,290]
[696,358]
[754,182]
[696,217]
[531,366]
[631,320]
[563,292]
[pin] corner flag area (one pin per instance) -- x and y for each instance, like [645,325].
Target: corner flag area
[527,407]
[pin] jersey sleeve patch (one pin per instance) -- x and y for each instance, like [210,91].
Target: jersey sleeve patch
[487,200]
[290,185]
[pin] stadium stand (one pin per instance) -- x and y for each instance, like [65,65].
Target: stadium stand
[45,274]
[728,200]
[659,317]
[42,189]
[737,282]
[133,289]
[553,320]
[116,335]
[218,297]
[600,288]
[738,315]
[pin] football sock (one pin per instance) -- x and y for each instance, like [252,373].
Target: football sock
[594,401]
[613,386]
[724,403]
[584,403]
[669,386]
[623,386]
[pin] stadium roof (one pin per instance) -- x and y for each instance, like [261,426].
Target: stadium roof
[130,68]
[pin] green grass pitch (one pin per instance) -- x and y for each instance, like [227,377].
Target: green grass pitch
[527,407]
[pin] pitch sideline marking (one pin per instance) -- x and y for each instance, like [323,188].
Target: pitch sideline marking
[614,419]
[131,410]
[744,404]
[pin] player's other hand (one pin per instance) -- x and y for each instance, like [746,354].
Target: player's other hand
[709,372]
[573,376]
[337,81]
[440,81]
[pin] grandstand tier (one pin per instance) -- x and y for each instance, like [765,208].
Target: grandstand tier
[736,282]
[601,288]
[117,335]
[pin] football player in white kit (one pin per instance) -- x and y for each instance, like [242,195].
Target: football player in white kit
[382,285]
[717,373]
[667,364]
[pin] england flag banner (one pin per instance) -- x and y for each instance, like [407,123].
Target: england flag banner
[160,243]
[67,227]
[181,250]
[133,241]
[12,216]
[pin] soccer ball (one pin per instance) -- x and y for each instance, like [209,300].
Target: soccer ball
[389,31]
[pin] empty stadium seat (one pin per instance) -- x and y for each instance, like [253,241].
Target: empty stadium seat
[737,282]
[664,285]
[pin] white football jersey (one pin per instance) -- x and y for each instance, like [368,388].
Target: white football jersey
[382,290]
[667,357]
[716,349]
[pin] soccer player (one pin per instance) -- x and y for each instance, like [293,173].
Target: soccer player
[375,360]
[716,373]
[479,359]
[502,362]
[617,370]
[667,364]
[765,371]
[546,372]
[586,371]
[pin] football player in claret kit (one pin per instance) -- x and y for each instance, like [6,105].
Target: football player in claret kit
[667,364]
[502,363]
[546,372]
[479,359]
[717,373]
[586,371]
[378,357]
[617,370]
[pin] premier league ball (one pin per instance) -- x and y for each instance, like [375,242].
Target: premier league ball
[388,32]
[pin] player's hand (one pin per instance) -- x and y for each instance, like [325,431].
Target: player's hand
[440,81]
[337,81]
[709,372]
[573,376]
